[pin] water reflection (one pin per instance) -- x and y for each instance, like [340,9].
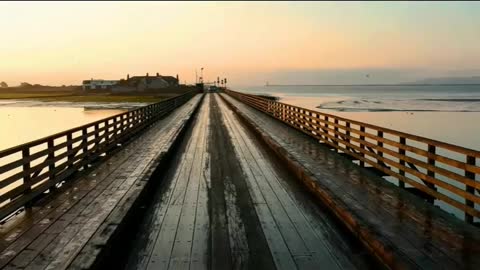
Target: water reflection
[23,124]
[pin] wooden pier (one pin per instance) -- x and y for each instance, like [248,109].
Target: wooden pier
[237,181]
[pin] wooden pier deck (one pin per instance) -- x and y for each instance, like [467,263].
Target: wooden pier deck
[228,205]
[217,184]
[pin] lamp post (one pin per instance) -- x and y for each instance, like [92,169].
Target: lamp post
[201,74]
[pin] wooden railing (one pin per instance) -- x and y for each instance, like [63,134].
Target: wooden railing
[30,169]
[443,173]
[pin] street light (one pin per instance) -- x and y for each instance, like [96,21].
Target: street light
[201,74]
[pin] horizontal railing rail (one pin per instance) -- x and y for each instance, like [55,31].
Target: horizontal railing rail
[439,171]
[33,168]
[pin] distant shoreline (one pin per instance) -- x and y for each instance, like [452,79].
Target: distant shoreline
[406,84]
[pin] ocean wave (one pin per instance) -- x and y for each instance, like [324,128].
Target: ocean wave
[403,105]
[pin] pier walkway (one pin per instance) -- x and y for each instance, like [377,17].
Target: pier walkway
[228,205]
[218,184]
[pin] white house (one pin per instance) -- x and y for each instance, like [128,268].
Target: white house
[98,84]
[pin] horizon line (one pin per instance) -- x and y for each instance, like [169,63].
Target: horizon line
[380,84]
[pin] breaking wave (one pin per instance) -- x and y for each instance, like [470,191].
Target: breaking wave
[413,105]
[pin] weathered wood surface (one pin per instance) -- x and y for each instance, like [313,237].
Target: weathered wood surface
[70,228]
[438,171]
[400,228]
[224,204]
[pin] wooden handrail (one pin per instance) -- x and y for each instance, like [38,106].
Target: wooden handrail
[45,162]
[424,164]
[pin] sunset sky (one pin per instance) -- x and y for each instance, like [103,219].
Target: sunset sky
[249,43]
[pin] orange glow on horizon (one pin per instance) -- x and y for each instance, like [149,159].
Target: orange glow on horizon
[63,43]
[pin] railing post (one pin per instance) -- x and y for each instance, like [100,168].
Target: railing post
[326,129]
[298,117]
[155,111]
[293,116]
[97,135]
[380,144]
[469,189]
[124,123]
[347,132]
[401,151]
[336,134]
[85,148]
[130,119]
[431,161]
[123,126]
[362,146]
[115,130]
[69,149]
[301,118]
[26,173]
[51,157]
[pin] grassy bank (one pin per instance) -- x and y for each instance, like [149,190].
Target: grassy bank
[75,95]
[142,99]
[16,95]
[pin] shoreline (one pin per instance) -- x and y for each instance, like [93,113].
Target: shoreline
[87,105]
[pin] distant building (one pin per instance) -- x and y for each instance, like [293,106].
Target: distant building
[98,84]
[172,81]
[142,83]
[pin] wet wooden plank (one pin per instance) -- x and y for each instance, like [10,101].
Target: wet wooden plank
[154,225]
[153,229]
[284,221]
[280,252]
[181,252]
[199,251]
[316,249]
[173,244]
[236,229]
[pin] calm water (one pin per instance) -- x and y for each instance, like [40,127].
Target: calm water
[24,121]
[21,124]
